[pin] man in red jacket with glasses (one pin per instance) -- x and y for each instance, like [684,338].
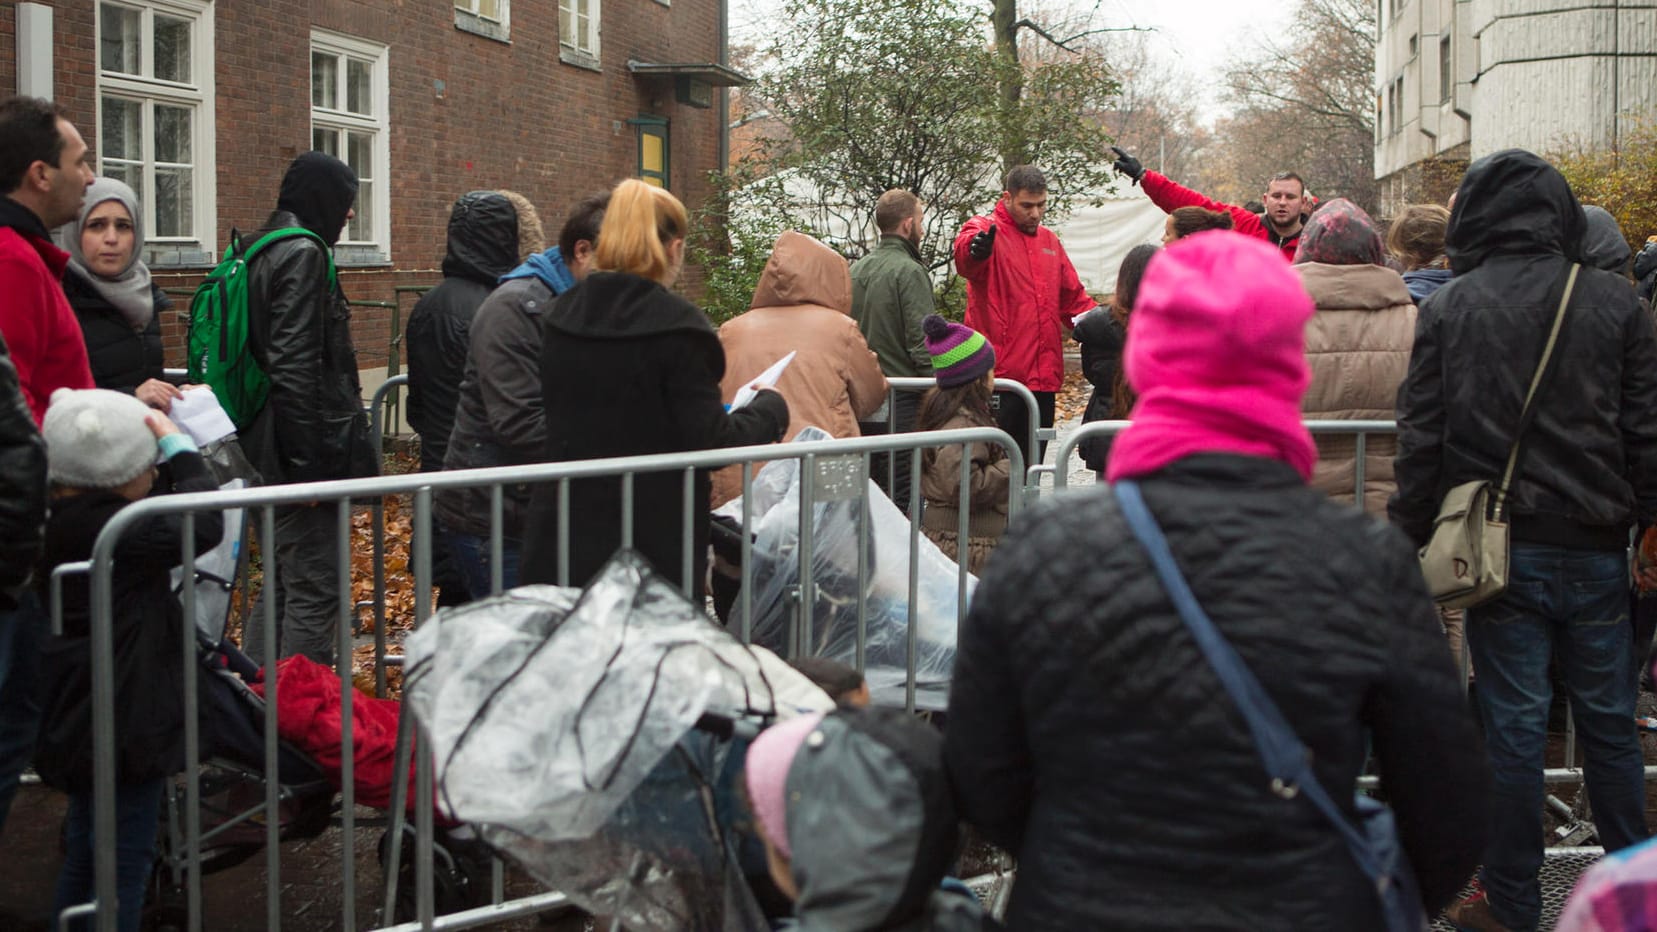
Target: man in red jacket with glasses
[1285,199]
[1022,294]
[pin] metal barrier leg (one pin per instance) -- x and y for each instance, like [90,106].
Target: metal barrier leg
[347,691]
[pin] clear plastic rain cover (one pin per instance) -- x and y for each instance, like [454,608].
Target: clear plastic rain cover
[560,725]
[839,489]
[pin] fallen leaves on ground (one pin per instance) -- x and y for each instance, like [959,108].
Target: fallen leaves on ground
[1072,399]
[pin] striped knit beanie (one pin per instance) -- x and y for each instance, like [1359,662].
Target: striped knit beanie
[960,354]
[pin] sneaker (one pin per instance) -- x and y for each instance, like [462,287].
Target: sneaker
[1473,914]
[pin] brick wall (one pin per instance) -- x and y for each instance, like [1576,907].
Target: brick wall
[509,115]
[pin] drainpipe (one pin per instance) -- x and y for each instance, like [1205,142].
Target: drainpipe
[724,92]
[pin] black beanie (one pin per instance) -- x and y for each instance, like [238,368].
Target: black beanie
[319,189]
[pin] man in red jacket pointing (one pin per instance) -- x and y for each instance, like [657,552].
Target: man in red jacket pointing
[1285,198]
[1022,294]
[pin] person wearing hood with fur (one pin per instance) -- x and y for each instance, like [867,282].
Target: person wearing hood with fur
[1358,345]
[1645,271]
[1587,473]
[109,287]
[802,306]
[630,368]
[499,418]
[858,823]
[313,426]
[1087,734]
[490,233]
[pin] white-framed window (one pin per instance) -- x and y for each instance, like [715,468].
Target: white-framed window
[351,120]
[578,31]
[155,120]
[489,18]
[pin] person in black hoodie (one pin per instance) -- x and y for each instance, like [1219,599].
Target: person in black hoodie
[313,425]
[1587,471]
[630,368]
[1102,335]
[109,287]
[103,446]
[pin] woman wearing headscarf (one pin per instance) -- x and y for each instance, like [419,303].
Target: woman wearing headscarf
[1358,345]
[1087,733]
[109,287]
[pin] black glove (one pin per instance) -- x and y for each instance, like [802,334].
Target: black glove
[982,244]
[1128,165]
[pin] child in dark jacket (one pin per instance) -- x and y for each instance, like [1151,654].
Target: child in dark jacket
[964,363]
[102,448]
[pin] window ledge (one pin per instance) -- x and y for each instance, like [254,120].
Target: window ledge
[467,21]
[177,256]
[360,256]
[579,59]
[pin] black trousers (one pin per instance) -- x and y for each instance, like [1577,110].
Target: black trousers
[1014,417]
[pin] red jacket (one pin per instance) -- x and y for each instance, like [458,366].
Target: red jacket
[1019,296]
[1170,197]
[35,318]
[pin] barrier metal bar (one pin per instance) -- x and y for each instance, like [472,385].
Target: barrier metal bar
[347,691]
[376,428]
[912,639]
[895,385]
[192,729]
[1061,476]
[338,494]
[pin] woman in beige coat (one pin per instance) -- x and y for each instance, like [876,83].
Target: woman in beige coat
[1358,345]
[802,306]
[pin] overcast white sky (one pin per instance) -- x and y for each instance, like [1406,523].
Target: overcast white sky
[1198,36]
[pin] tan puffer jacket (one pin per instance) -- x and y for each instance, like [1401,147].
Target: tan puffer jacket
[1358,345]
[802,305]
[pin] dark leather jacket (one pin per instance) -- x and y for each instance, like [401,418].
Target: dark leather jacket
[22,485]
[121,357]
[1588,464]
[313,426]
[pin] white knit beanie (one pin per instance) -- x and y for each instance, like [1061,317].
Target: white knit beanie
[96,439]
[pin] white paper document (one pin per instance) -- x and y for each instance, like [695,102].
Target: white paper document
[200,415]
[766,379]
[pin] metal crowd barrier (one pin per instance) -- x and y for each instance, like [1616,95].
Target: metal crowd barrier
[831,458]
[1037,436]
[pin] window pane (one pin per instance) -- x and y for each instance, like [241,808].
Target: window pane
[359,87]
[489,9]
[324,80]
[130,173]
[122,130]
[172,134]
[361,227]
[325,140]
[359,154]
[172,202]
[118,46]
[172,49]
[582,37]
[566,25]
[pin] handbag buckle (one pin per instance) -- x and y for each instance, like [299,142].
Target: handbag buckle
[1284,790]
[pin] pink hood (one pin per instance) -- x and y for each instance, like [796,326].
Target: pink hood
[1217,352]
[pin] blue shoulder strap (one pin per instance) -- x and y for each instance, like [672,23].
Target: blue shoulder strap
[1288,762]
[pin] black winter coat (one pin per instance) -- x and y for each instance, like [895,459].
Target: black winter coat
[1102,338]
[483,246]
[148,632]
[313,426]
[629,368]
[22,485]
[122,357]
[1588,465]
[1088,734]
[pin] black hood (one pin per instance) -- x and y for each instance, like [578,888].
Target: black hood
[319,189]
[483,238]
[1604,247]
[1513,203]
[1646,262]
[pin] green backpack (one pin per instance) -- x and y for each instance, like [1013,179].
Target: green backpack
[219,356]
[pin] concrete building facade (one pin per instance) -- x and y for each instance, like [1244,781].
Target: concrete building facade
[1458,79]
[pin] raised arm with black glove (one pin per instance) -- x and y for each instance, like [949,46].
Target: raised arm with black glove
[982,244]
[1127,164]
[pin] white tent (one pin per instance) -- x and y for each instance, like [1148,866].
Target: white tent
[1098,237]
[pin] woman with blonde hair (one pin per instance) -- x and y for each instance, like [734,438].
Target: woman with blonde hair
[1416,240]
[630,368]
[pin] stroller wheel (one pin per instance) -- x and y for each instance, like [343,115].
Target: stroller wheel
[452,887]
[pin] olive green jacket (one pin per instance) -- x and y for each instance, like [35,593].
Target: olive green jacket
[891,295]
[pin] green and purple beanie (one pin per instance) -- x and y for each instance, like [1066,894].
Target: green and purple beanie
[960,354]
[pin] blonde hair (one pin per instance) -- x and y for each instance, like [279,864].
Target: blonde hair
[1416,238]
[640,223]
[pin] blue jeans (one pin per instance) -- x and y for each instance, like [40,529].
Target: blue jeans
[1571,605]
[20,632]
[470,554]
[137,818]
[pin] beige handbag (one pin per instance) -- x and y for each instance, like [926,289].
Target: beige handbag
[1465,561]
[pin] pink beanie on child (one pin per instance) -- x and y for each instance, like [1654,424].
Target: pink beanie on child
[1217,352]
[766,771]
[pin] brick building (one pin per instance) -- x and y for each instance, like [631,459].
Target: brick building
[200,105]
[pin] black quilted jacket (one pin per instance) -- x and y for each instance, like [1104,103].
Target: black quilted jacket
[22,485]
[1088,734]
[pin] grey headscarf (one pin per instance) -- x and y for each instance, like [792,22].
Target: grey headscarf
[129,292]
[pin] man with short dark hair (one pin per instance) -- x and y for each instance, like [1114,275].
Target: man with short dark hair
[313,425]
[501,418]
[1586,474]
[1022,294]
[1279,225]
[43,178]
[891,295]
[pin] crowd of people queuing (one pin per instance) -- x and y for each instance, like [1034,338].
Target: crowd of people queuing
[1086,733]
